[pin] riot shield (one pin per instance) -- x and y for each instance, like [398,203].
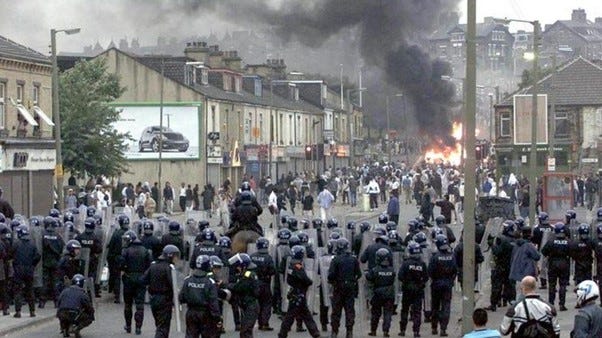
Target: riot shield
[426,257]
[397,260]
[547,235]
[37,239]
[251,248]
[105,233]
[311,269]
[89,283]
[368,238]
[176,300]
[284,287]
[190,233]
[313,237]
[324,265]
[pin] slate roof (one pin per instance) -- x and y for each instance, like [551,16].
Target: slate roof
[578,82]
[588,31]
[483,30]
[174,69]
[12,50]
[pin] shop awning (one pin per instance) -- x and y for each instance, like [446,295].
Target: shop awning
[43,115]
[26,115]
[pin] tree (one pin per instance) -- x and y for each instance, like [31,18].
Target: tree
[527,76]
[91,145]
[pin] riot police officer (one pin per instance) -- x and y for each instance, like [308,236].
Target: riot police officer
[282,251]
[442,270]
[6,266]
[25,258]
[69,265]
[557,251]
[501,249]
[541,234]
[52,248]
[449,233]
[149,240]
[245,215]
[299,282]
[343,274]
[459,256]
[114,255]
[245,287]
[382,278]
[89,240]
[369,254]
[395,241]
[75,307]
[356,243]
[160,287]
[317,223]
[266,269]
[598,253]
[174,237]
[413,276]
[582,251]
[135,260]
[199,291]
[206,245]
[304,240]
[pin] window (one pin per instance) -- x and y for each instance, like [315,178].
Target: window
[261,128]
[2,103]
[35,95]
[20,89]
[497,36]
[291,127]
[213,118]
[492,49]
[561,125]
[457,36]
[505,124]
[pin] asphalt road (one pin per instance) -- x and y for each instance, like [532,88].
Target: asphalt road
[109,316]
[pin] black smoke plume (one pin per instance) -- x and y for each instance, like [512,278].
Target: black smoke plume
[388,35]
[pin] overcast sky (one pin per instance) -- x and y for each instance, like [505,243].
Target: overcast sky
[29,21]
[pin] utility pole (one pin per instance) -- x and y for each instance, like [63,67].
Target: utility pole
[160,171]
[468,259]
[533,157]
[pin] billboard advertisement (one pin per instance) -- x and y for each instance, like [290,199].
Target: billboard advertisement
[180,131]
[523,109]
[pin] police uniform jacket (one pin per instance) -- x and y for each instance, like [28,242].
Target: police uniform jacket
[135,260]
[199,291]
[158,278]
[413,275]
[383,279]
[75,298]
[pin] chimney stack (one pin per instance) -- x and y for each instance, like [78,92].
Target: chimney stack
[579,15]
[197,51]
[232,61]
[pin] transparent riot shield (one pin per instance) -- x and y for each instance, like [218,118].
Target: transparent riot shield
[324,264]
[106,232]
[397,260]
[85,255]
[426,258]
[368,238]
[313,237]
[37,239]
[284,287]
[176,300]
[190,233]
[311,269]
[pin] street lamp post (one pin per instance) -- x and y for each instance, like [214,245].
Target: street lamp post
[349,117]
[58,170]
[534,92]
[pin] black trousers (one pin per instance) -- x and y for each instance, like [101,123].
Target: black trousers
[23,289]
[384,307]
[200,323]
[300,312]
[133,293]
[114,278]
[68,317]
[161,308]
[558,275]
[440,305]
[4,299]
[373,201]
[342,300]
[249,314]
[183,203]
[411,302]
[50,280]
[265,303]
[582,273]
[323,310]
[501,286]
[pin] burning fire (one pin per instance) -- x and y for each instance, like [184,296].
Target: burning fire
[447,154]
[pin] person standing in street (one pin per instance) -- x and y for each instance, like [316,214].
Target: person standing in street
[558,253]
[325,200]
[343,274]
[74,307]
[52,248]
[442,271]
[393,207]
[182,197]
[382,279]
[588,320]
[266,269]
[479,320]
[413,276]
[160,287]
[135,260]
[244,286]
[114,255]
[25,257]
[199,292]
[168,197]
[5,208]
[89,240]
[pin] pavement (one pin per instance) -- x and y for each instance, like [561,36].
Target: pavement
[110,320]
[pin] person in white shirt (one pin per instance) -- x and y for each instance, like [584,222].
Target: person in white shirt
[182,196]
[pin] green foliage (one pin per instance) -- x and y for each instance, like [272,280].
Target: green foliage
[527,76]
[91,146]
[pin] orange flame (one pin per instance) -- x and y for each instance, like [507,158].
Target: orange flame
[446,154]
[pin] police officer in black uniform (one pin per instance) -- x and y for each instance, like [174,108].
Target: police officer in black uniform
[282,250]
[52,248]
[582,253]
[245,287]
[174,237]
[413,276]
[266,269]
[5,262]
[558,251]
[205,245]
[317,223]
[369,254]
[135,260]
[299,281]
[459,256]
[69,265]
[199,292]
[356,244]
[382,279]
[501,249]
[449,233]
[304,240]
[114,255]
[75,307]
[149,240]
[442,271]
[598,253]
[343,275]
[88,239]
[160,288]
[245,215]
[25,258]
